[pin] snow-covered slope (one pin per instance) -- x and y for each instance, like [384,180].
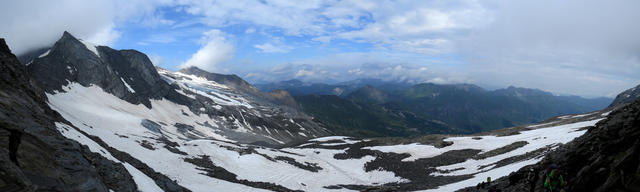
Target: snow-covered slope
[213,162]
[101,82]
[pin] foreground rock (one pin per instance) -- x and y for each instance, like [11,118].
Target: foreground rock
[33,154]
[626,97]
[606,158]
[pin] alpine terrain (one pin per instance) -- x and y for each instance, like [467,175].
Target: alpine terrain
[84,117]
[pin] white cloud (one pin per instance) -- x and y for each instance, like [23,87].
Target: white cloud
[216,49]
[581,47]
[32,24]
[157,60]
[404,25]
[270,48]
[250,30]
[349,66]
[293,17]
[105,36]
[556,46]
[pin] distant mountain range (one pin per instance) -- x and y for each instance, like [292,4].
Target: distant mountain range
[378,108]
[298,88]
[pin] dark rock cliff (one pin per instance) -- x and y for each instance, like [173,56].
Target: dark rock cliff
[626,97]
[127,74]
[33,154]
[606,158]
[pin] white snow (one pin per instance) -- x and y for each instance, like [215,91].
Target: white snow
[537,138]
[104,115]
[44,54]
[477,178]
[583,115]
[108,115]
[543,124]
[144,183]
[92,47]
[321,139]
[220,94]
[127,85]
[101,114]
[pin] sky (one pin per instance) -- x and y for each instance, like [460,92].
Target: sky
[579,47]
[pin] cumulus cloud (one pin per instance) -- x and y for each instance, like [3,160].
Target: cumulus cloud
[32,24]
[216,49]
[354,65]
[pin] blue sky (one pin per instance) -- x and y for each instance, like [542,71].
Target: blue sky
[588,48]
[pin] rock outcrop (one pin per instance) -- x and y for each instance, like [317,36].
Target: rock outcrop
[626,97]
[33,154]
[606,158]
[127,74]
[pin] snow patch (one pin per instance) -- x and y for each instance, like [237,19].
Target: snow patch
[537,138]
[92,47]
[127,85]
[143,181]
[44,54]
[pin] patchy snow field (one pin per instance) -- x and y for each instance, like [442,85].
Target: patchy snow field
[310,166]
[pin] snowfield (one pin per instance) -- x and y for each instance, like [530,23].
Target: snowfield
[171,149]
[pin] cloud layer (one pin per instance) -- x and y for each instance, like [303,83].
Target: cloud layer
[574,46]
[33,24]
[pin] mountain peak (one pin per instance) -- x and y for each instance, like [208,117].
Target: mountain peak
[67,34]
[68,37]
[3,46]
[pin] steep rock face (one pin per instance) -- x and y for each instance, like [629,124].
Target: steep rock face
[127,74]
[626,97]
[606,158]
[33,154]
[229,106]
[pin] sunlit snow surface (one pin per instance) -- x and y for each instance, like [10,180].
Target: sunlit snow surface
[117,123]
[219,93]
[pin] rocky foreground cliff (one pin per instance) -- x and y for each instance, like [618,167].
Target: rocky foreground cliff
[606,158]
[33,154]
